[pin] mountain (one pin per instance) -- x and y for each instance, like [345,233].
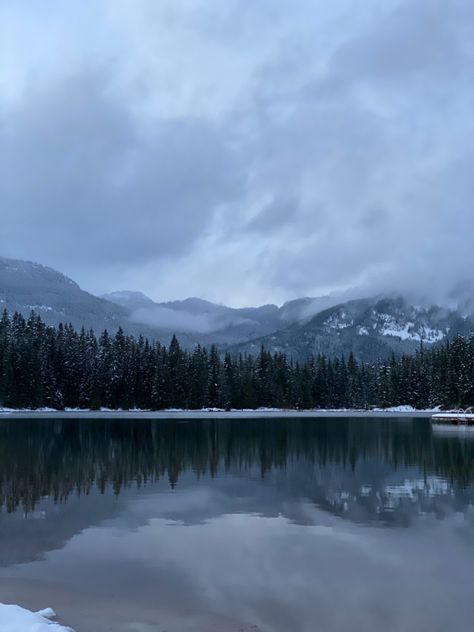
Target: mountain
[303,309]
[372,329]
[128,299]
[27,286]
[208,322]
[216,323]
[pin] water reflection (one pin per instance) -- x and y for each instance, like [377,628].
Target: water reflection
[364,469]
[226,525]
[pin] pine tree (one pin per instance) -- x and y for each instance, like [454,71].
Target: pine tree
[59,367]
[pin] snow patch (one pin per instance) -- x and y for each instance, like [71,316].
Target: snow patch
[42,308]
[339,321]
[431,487]
[16,619]
[458,415]
[396,409]
[27,410]
[409,331]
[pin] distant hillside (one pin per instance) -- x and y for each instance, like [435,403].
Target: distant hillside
[372,329]
[215,323]
[26,286]
[208,322]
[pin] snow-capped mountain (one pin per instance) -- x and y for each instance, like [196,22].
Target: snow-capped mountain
[371,328]
[222,324]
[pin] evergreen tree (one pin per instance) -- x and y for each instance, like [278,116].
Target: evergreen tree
[59,367]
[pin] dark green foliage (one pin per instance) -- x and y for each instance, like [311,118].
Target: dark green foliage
[43,366]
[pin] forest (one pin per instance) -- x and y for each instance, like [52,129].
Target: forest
[59,367]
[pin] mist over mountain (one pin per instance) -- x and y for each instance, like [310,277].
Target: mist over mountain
[371,328]
[197,315]
[224,325]
[26,286]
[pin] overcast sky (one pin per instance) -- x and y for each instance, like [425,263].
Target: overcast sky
[245,151]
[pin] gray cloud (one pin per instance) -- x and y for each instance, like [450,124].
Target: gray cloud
[249,153]
[423,41]
[385,131]
[83,183]
[178,321]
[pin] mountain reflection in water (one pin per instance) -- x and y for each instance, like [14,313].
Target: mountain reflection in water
[266,525]
[365,469]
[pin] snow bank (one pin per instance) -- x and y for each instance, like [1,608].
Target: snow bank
[454,414]
[28,410]
[405,409]
[396,409]
[17,619]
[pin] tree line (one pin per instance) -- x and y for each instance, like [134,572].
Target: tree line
[59,367]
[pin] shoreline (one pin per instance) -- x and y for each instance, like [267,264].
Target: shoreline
[214,414]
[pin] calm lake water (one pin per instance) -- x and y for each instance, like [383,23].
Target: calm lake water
[265,525]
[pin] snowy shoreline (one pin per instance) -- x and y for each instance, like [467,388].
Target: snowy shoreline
[216,413]
[17,619]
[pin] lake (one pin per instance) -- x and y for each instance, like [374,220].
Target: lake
[262,525]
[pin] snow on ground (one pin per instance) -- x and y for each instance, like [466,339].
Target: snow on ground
[28,410]
[458,414]
[398,409]
[339,321]
[234,411]
[43,308]
[16,619]
[408,331]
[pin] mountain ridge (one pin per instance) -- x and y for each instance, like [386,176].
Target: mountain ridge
[371,328]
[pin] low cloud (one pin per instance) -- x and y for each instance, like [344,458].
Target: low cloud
[177,320]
